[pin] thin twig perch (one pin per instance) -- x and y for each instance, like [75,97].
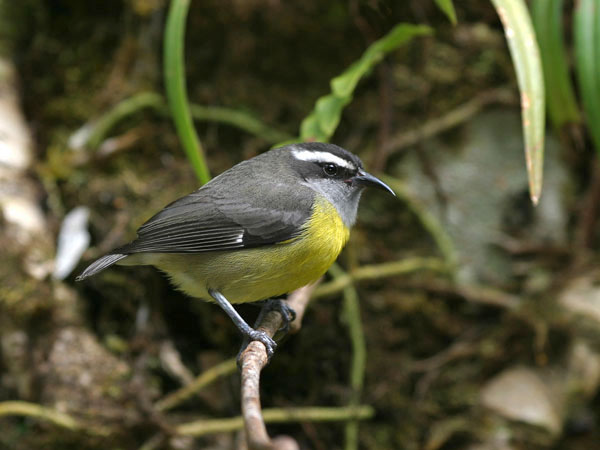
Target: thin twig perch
[252,361]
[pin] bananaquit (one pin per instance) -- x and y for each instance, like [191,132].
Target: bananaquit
[261,229]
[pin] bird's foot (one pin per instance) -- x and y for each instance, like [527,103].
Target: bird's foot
[288,315]
[249,333]
[262,337]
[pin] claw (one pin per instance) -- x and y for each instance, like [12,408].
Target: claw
[262,337]
[267,341]
[288,314]
[249,333]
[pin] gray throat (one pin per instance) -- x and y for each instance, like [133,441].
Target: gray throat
[344,198]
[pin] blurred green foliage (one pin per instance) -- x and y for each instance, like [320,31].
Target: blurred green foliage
[322,122]
[547,18]
[586,29]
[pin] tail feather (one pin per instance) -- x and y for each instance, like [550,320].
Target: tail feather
[99,265]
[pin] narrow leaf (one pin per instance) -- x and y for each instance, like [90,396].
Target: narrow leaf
[587,51]
[447,8]
[528,66]
[322,122]
[174,73]
[547,20]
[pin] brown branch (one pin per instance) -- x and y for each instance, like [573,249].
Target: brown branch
[254,357]
[298,301]
[446,122]
[252,361]
[471,293]
[464,347]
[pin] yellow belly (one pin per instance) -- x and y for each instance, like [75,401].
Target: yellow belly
[259,273]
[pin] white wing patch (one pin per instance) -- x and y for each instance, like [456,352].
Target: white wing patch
[322,157]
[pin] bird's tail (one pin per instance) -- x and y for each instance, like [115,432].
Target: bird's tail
[99,265]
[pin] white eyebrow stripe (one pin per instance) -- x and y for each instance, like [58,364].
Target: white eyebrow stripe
[322,157]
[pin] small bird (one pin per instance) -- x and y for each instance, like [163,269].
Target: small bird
[263,228]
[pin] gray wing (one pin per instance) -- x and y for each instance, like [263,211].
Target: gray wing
[214,219]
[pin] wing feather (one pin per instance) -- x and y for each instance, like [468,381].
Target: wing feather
[214,219]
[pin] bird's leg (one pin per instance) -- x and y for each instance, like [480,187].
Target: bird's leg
[249,333]
[273,304]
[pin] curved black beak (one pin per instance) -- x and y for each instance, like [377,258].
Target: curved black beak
[368,180]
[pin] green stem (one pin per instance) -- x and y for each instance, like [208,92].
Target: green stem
[122,110]
[352,318]
[378,271]
[101,127]
[239,119]
[276,415]
[428,220]
[204,379]
[174,73]
[19,408]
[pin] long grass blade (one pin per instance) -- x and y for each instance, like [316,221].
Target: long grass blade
[547,20]
[447,8]
[174,74]
[321,123]
[587,53]
[528,66]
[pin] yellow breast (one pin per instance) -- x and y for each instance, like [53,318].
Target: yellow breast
[325,236]
[256,274]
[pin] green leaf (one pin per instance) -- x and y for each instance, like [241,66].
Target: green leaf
[547,20]
[322,122]
[174,73]
[447,8]
[587,53]
[329,111]
[528,66]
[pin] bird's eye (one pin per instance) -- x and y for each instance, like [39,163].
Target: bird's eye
[330,169]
